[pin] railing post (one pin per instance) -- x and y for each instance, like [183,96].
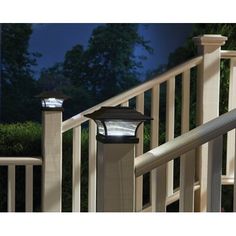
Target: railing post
[115,177]
[208,89]
[116,139]
[52,160]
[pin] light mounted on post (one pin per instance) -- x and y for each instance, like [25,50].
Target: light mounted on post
[52,100]
[117,124]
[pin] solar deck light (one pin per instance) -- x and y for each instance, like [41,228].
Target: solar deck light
[116,139]
[117,124]
[52,100]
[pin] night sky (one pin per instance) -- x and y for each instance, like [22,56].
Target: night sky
[54,40]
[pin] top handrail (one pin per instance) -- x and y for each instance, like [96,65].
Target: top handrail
[21,161]
[123,97]
[185,143]
[228,54]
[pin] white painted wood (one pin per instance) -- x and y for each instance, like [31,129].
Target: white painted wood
[92,167]
[155,94]
[155,106]
[185,143]
[187,161]
[11,188]
[176,195]
[231,134]
[214,175]
[5,161]
[115,179]
[29,188]
[138,152]
[228,54]
[187,174]
[227,180]
[234,204]
[173,198]
[125,104]
[76,179]
[114,101]
[170,119]
[185,102]
[52,162]
[158,176]
[207,98]
[161,189]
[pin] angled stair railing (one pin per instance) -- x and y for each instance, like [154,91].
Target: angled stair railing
[123,99]
[211,132]
[207,66]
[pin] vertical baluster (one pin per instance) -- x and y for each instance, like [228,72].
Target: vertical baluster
[76,182]
[125,104]
[231,134]
[215,148]
[139,151]
[170,113]
[158,176]
[28,188]
[92,167]
[234,205]
[11,188]
[187,161]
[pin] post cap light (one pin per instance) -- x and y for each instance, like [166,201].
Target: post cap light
[52,100]
[117,124]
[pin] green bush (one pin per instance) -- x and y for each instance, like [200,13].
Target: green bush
[20,139]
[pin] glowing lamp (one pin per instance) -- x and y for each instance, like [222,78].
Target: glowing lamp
[117,124]
[52,100]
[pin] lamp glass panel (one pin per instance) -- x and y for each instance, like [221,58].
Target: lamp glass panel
[121,128]
[52,102]
[101,129]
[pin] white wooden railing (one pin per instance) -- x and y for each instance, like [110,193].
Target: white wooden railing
[11,163]
[207,63]
[211,132]
[123,99]
[207,68]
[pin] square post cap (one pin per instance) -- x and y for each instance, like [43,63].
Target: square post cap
[117,124]
[52,100]
[210,39]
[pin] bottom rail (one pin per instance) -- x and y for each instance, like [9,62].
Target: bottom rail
[225,180]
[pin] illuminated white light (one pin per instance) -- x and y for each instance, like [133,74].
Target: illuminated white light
[101,129]
[121,128]
[52,102]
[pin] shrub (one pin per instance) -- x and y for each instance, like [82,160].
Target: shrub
[20,139]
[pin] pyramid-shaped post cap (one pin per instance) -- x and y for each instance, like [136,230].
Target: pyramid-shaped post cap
[52,100]
[117,124]
[210,39]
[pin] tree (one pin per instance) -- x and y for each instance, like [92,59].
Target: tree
[108,66]
[75,65]
[59,78]
[53,78]
[187,51]
[18,85]
[113,66]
